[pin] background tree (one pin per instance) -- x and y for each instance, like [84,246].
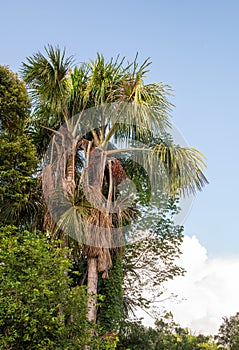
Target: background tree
[18,161]
[150,262]
[167,335]
[228,334]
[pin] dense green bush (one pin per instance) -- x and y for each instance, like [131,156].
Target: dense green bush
[38,308]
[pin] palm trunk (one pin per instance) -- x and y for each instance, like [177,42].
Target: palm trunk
[70,172]
[92,283]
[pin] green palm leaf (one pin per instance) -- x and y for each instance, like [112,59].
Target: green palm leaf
[47,77]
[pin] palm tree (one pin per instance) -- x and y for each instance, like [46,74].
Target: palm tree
[83,111]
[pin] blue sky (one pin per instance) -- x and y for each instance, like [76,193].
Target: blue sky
[194,47]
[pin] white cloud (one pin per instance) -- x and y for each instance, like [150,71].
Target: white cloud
[208,291]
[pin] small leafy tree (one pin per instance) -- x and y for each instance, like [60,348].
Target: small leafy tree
[228,334]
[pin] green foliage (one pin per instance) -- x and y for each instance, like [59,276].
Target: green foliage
[110,312]
[166,336]
[135,336]
[14,103]
[39,309]
[18,190]
[228,334]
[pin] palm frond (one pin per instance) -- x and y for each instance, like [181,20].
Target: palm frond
[183,167]
[46,76]
[171,168]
